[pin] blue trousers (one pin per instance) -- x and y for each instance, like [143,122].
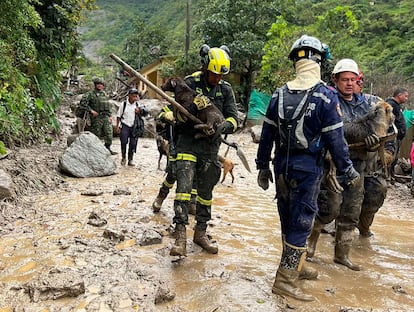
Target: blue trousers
[297,193]
[126,135]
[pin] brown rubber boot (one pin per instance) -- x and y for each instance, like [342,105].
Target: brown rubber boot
[285,285]
[287,274]
[180,245]
[365,221]
[313,239]
[341,256]
[162,194]
[201,239]
[308,273]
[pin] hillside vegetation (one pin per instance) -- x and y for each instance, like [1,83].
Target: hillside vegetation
[382,39]
[42,39]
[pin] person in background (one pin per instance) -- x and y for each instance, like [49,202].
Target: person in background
[412,168]
[358,203]
[96,103]
[130,125]
[199,156]
[302,121]
[400,96]
[358,89]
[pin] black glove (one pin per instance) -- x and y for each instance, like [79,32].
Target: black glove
[263,178]
[350,178]
[228,128]
[372,141]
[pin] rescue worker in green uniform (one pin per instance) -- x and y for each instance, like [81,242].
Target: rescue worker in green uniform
[199,157]
[96,103]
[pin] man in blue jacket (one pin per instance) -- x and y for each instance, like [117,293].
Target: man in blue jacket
[303,120]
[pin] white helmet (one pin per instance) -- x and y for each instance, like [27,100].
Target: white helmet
[346,65]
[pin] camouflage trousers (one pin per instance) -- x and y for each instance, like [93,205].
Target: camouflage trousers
[102,128]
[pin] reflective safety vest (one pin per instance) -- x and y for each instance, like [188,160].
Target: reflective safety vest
[292,106]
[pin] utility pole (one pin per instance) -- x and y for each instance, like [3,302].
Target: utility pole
[187,31]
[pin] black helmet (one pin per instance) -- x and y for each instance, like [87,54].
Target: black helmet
[307,47]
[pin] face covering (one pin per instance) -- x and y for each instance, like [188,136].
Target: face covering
[308,74]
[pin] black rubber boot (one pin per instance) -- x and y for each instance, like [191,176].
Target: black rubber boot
[108,147]
[365,221]
[343,242]
[201,239]
[342,257]
[123,153]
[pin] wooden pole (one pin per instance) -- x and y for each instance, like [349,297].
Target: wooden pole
[133,72]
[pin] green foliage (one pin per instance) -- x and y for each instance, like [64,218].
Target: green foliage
[38,37]
[276,69]
[145,44]
[242,26]
[3,149]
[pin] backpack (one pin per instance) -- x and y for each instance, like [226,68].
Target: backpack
[291,111]
[79,112]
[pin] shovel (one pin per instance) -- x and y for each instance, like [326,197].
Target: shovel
[177,105]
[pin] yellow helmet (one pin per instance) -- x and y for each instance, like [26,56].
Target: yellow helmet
[218,61]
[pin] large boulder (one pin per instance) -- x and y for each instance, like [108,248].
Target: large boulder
[6,185]
[87,157]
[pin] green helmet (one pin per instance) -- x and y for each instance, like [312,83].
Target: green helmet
[98,80]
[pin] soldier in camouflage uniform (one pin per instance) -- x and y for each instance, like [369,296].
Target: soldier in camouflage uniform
[96,103]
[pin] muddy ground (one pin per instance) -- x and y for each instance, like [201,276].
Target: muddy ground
[69,244]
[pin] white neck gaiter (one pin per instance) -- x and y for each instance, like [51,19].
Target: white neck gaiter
[308,74]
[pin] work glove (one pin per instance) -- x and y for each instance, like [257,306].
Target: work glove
[332,183]
[168,116]
[372,141]
[263,178]
[228,128]
[350,178]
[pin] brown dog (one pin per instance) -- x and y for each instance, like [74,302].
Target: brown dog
[377,120]
[211,116]
[163,147]
[227,166]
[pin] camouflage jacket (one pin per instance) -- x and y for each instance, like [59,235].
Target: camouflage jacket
[97,101]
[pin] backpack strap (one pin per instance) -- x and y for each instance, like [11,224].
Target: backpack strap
[123,110]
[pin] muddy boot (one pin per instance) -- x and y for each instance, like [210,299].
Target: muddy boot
[193,205]
[365,221]
[123,161]
[130,159]
[342,246]
[180,245]
[313,239]
[201,239]
[288,274]
[162,194]
[308,273]
[108,147]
